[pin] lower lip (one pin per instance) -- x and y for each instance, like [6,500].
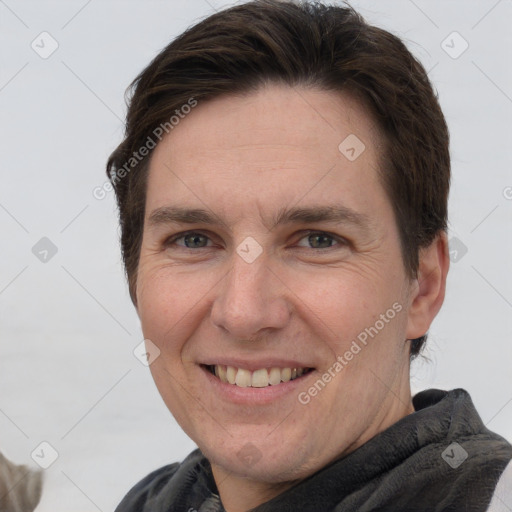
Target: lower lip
[254,396]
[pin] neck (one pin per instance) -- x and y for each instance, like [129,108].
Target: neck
[242,494]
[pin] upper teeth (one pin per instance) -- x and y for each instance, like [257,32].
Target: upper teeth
[258,378]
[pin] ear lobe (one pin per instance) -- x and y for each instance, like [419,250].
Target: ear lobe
[428,290]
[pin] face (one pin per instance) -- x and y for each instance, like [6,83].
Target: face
[272,282]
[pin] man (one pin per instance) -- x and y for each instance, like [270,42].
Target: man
[282,189]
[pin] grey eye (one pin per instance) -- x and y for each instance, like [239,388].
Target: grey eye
[320,241]
[195,240]
[317,241]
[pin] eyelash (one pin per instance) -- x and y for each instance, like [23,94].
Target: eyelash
[339,240]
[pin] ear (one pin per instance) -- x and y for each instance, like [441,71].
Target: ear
[428,289]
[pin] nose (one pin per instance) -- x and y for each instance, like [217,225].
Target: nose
[251,300]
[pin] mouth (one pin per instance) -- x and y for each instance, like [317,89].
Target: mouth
[261,378]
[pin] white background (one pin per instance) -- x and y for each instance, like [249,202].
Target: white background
[67,327]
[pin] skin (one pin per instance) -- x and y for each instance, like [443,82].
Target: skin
[303,299]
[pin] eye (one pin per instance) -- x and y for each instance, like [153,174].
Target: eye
[320,240]
[191,240]
[312,240]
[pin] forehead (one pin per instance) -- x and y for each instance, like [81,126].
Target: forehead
[278,144]
[297,115]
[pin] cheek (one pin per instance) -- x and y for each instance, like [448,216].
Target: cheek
[167,305]
[168,310]
[360,316]
[344,300]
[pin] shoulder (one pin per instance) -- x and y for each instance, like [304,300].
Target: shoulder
[502,497]
[149,487]
[150,492]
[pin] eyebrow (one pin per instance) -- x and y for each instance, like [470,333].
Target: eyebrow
[335,214]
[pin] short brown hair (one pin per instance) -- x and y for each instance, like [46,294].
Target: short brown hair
[310,44]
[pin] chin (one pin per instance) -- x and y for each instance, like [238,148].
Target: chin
[258,459]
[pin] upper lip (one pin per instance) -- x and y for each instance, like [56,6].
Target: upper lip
[254,365]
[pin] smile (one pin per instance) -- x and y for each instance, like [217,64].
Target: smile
[258,378]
